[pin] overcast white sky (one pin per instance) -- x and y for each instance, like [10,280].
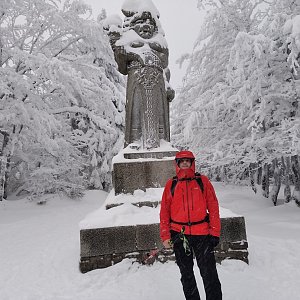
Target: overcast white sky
[180,20]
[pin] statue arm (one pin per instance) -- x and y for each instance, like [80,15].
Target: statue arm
[124,58]
[165,57]
[119,51]
[121,59]
[169,90]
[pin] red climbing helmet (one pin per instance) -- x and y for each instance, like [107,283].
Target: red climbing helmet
[184,154]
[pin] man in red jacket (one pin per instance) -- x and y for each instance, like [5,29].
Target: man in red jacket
[190,221]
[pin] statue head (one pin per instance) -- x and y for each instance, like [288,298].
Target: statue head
[144,25]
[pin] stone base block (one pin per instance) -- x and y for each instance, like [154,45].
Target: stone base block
[103,247]
[149,154]
[102,241]
[139,175]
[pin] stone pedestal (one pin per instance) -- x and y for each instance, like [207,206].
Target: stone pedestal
[133,175]
[103,247]
[135,169]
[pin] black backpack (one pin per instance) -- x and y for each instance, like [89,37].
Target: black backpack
[197,178]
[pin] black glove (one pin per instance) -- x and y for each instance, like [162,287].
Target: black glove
[214,241]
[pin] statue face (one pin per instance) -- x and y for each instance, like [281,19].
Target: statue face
[144,26]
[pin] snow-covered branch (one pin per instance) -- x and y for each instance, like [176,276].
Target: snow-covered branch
[63,116]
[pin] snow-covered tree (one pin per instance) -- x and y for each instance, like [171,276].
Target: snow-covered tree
[206,87]
[61,98]
[242,89]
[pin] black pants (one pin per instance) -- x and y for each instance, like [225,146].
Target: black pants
[199,245]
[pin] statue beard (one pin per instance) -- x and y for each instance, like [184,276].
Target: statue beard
[145,34]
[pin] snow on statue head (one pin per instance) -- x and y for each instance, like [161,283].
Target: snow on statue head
[142,17]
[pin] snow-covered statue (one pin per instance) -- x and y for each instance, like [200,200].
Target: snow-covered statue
[141,52]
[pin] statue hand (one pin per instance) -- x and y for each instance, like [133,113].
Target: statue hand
[135,57]
[170,94]
[155,46]
[113,38]
[137,44]
[119,50]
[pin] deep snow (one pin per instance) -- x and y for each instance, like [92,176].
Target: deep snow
[39,246]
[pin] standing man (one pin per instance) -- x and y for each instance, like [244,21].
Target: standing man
[190,221]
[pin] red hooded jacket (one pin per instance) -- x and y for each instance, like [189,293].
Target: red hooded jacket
[189,204]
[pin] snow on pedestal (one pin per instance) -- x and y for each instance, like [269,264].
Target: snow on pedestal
[127,214]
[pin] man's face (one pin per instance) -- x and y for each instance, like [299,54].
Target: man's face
[185,163]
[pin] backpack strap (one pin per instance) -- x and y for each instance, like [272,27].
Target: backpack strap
[197,178]
[199,181]
[174,182]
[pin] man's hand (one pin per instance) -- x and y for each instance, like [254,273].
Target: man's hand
[167,244]
[214,241]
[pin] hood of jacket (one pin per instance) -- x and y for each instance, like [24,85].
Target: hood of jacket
[185,173]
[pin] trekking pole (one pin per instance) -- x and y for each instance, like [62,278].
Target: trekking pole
[153,254]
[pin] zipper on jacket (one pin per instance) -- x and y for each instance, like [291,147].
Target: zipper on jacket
[192,200]
[183,202]
[188,207]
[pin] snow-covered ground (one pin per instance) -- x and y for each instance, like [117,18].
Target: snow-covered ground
[39,254]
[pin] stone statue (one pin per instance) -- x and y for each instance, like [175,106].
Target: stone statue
[141,52]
